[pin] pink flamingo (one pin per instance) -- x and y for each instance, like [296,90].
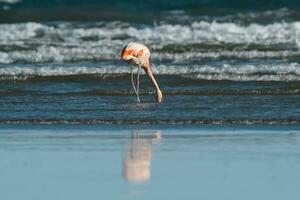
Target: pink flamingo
[139,55]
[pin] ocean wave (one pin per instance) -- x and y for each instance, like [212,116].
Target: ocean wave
[253,54]
[246,17]
[234,72]
[204,92]
[260,16]
[200,32]
[78,54]
[58,54]
[29,71]
[152,121]
[64,42]
[277,13]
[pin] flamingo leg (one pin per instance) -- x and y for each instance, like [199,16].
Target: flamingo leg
[138,85]
[135,88]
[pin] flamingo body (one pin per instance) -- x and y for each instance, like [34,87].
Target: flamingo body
[136,53]
[139,55]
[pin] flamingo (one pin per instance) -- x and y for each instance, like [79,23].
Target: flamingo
[139,55]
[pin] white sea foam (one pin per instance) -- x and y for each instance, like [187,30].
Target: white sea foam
[57,54]
[59,70]
[19,31]
[63,42]
[73,54]
[187,56]
[199,32]
[245,72]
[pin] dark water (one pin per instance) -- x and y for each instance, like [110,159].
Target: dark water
[145,11]
[217,62]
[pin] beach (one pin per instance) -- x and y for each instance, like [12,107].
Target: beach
[212,162]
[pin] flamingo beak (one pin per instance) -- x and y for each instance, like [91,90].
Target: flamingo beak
[129,57]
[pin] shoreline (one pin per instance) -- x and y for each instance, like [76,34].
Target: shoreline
[117,127]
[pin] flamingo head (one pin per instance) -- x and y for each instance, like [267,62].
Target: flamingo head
[136,54]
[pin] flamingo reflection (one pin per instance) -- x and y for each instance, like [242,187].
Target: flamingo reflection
[137,157]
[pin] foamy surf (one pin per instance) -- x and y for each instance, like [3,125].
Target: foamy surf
[218,71]
[103,53]
[33,42]
[202,31]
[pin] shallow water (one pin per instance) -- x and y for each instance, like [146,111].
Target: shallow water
[228,66]
[110,101]
[75,162]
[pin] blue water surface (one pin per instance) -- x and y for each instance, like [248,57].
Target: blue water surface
[85,162]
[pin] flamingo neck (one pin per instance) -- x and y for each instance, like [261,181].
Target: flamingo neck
[150,75]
